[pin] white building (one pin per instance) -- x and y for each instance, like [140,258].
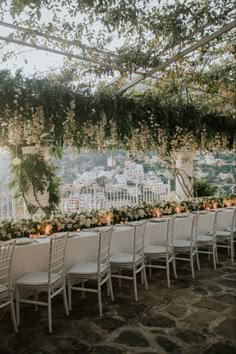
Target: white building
[121,179]
[134,172]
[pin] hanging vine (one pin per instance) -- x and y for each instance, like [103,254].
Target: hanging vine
[32,173]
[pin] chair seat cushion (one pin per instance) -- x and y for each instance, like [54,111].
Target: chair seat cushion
[86,268]
[37,278]
[154,249]
[123,258]
[221,233]
[204,238]
[229,229]
[182,243]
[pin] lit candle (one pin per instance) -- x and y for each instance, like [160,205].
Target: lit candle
[177,210]
[48,229]
[108,220]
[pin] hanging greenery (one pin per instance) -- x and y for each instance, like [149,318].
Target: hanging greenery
[34,111]
[33,176]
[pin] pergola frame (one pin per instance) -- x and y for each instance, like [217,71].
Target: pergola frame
[143,75]
[180,55]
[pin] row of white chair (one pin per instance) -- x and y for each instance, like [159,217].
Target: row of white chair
[53,282]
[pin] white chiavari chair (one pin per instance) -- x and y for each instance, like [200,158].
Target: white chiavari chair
[52,281]
[134,261]
[189,247]
[160,253]
[6,291]
[99,271]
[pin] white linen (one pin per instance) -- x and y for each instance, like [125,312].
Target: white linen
[34,257]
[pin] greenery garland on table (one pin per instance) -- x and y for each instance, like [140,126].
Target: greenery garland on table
[74,221]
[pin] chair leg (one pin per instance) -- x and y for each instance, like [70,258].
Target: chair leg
[232,251]
[65,301]
[174,267]
[49,313]
[192,266]
[135,286]
[110,288]
[197,258]
[168,273]
[214,256]
[145,277]
[99,298]
[69,294]
[229,248]
[17,306]
[216,253]
[13,315]
[150,268]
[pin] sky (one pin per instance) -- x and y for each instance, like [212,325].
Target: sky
[33,61]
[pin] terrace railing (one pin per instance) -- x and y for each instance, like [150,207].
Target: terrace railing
[75,199]
[94,197]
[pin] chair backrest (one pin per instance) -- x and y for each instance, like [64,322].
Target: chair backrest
[170,234]
[194,230]
[57,253]
[6,254]
[104,244]
[214,225]
[139,233]
[233,224]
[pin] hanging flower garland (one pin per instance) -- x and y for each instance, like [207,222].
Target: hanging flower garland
[39,111]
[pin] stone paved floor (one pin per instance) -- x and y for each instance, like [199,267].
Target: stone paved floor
[194,316]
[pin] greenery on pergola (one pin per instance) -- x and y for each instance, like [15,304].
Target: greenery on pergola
[188,104]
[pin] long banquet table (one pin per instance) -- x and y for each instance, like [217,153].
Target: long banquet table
[34,256]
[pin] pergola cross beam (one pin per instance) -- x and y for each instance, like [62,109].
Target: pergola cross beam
[180,55]
[60,52]
[76,43]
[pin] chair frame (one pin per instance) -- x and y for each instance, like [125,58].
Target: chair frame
[6,295]
[212,249]
[169,254]
[192,249]
[102,276]
[56,268]
[231,240]
[138,263]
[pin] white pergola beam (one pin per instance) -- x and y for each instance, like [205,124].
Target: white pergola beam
[60,52]
[180,55]
[76,43]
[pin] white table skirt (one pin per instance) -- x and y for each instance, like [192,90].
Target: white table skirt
[28,258]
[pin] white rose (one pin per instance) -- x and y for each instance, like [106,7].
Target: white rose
[94,220]
[141,213]
[87,222]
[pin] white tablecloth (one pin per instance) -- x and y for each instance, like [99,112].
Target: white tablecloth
[34,256]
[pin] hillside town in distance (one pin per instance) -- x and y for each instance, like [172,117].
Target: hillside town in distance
[114,179]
